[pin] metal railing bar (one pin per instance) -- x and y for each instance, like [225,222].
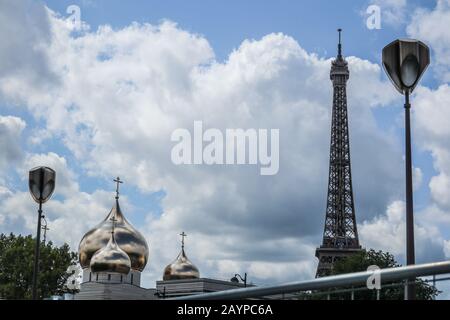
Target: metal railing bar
[357,289]
[349,290]
[350,279]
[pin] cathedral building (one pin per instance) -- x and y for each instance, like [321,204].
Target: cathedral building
[113,255]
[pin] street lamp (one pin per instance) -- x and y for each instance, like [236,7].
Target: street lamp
[41,183]
[405,61]
[236,280]
[161,294]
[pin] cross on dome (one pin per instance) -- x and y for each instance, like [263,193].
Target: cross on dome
[183,235]
[117,181]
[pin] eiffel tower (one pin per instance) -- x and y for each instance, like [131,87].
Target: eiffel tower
[340,236]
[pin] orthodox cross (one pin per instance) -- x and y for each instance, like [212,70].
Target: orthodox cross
[117,181]
[113,219]
[182,239]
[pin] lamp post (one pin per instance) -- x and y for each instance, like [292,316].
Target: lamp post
[161,294]
[41,183]
[236,280]
[405,61]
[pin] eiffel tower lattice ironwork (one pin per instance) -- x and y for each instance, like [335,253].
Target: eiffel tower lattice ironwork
[340,236]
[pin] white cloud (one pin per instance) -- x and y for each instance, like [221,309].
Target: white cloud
[447,248]
[393,12]
[433,134]
[417,178]
[10,132]
[388,233]
[385,232]
[431,113]
[120,93]
[431,26]
[440,186]
[25,65]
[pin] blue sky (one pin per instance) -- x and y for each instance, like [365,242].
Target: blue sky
[227,23]
[226,63]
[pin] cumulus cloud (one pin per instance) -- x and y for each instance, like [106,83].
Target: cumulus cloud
[431,113]
[118,96]
[172,79]
[447,248]
[388,233]
[25,65]
[431,25]
[393,12]
[10,134]
[433,134]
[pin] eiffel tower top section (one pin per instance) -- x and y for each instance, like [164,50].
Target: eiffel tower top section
[339,73]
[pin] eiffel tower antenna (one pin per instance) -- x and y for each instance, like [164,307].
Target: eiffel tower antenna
[340,44]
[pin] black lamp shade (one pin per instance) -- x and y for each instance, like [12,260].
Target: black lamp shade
[41,183]
[234,279]
[405,61]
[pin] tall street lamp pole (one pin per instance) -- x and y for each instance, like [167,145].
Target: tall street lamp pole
[37,249]
[410,248]
[405,61]
[41,183]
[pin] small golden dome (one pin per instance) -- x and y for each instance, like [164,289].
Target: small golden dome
[111,259]
[182,267]
[126,236]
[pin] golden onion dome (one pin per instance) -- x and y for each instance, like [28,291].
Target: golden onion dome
[181,268]
[126,236]
[111,259]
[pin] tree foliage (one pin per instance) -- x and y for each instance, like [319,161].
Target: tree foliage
[16,267]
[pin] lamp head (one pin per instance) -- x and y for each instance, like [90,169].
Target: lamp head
[405,61]
[41,183]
